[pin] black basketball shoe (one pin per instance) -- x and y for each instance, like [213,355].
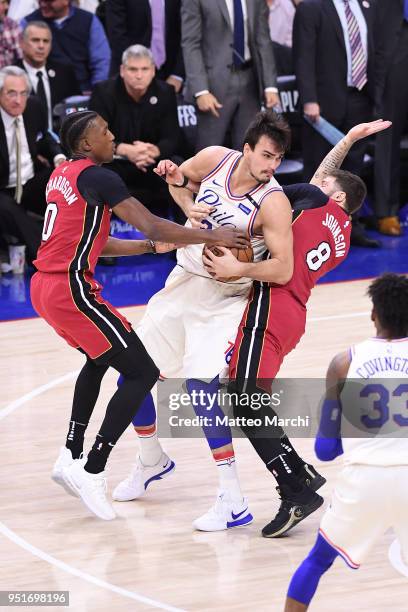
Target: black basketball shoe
[309,477]
[294,508]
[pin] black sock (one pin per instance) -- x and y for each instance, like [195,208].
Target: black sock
[295,462]
[275,459]
[137,381]
[98,455]
[75,438]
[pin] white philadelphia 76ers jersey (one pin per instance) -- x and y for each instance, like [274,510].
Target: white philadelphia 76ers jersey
[235,211]
[375,404]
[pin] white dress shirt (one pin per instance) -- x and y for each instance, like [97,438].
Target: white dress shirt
[27,166]
[247,52]
[32,74]
[358,13]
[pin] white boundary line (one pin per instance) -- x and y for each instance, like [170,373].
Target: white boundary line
[395,557]
[350,315]
[80,574]
[11,535]
[31,394]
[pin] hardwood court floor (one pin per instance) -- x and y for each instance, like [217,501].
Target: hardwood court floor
[49,541]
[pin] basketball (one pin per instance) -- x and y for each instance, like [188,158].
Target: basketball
[244,255]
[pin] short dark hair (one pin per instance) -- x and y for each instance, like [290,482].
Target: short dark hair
[72,128]
[353,186]
[389,294]
[270,124]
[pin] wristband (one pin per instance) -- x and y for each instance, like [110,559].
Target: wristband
[184,183]
[153,245]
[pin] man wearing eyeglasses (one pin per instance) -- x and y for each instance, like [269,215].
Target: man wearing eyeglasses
[28,155]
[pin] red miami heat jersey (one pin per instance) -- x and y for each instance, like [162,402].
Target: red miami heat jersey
[321,241]
[74,232]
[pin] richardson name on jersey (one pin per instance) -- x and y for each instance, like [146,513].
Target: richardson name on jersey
[339,241]
[62,184]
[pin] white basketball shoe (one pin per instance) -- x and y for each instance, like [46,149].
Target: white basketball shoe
[225,514]
[135,485]
[91,488]
[64,459]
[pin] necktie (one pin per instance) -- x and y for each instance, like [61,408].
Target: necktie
[41,91]
[19,187]
[239,34]
[358,60]
[406,10]
[157,45]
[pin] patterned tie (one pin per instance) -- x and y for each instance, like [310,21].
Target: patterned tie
[358,60]
[239,34]
[19,186]
[157,45]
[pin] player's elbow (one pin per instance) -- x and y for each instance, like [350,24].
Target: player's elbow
[284,274]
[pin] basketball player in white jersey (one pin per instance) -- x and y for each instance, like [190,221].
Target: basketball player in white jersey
[190,323]
[366,393]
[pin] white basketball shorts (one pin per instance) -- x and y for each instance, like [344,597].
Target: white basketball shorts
[189,327]
[366,502]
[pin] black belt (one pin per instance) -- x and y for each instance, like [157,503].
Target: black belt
[241,67]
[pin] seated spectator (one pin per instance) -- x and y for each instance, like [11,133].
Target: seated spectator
[51,81]
[156,24]
[27,153]
[141,112]
[10,32]
[78,39]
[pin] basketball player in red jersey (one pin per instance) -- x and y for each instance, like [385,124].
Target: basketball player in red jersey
[275,318]
[80,197]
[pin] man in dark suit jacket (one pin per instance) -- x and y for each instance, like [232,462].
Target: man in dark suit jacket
[141,112]
[52,81]
[326,81]
[230,65]
[391,36]
[27,156]
[129,23]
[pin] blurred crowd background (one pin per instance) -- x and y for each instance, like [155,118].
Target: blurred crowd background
[174,76]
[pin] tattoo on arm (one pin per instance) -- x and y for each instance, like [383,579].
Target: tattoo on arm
[333,160]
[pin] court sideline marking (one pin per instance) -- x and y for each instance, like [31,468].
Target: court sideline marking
[37,552]
[394,553]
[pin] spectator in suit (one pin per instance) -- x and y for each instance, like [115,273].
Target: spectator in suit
[141,112]
[27,153]
[10,32]
[230,66]
[78,39]
[152,23]
[392,70]
[51,81]
[333,50]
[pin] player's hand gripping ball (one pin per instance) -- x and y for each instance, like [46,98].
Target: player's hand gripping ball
[243,255]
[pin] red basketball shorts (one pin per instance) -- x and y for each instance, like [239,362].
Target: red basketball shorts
[272,325]
[73,306]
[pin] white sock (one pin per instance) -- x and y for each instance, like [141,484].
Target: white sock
[228,478]
[150,447]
